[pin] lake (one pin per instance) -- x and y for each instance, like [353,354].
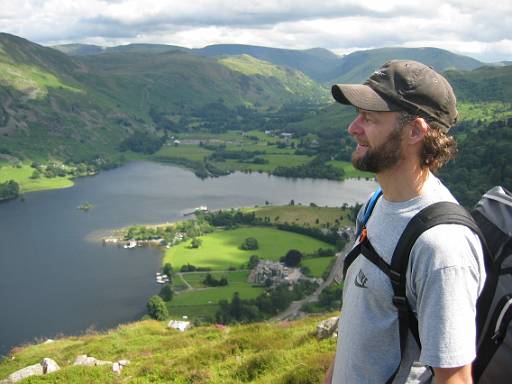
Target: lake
[56,278]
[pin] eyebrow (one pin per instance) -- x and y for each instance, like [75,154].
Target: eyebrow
[364,111]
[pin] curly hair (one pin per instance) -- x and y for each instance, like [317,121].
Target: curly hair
[438,146]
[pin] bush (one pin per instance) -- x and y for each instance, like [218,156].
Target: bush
[213,282]
[196,243]
[250,244]
[157,308]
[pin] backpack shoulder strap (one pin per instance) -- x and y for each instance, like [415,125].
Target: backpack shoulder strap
[443,212]
[360,225]
[368,209]
[435,214]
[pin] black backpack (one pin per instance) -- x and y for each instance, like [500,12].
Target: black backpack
[491,220]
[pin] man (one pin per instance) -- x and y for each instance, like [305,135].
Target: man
[405,110]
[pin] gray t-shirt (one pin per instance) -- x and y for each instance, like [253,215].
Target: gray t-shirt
[445,275]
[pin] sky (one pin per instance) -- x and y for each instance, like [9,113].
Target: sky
[469,27]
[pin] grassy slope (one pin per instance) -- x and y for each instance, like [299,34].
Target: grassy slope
[22,177]
[220,249]
[294,81]
[285,352]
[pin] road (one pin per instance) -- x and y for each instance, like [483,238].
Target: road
[293,310]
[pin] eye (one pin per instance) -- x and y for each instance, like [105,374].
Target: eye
[367,117]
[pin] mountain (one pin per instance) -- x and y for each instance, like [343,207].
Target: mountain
[315,63]
[324,66]
[86,49]
[319,64]
[358,66]
[79,49]
[180,82]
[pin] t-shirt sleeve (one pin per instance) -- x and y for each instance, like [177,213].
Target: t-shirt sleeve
[446,277]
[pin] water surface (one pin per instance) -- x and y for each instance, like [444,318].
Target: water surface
[55,280]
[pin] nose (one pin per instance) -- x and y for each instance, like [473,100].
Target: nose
[355,127]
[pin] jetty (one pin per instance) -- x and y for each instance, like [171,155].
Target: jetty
[202,208]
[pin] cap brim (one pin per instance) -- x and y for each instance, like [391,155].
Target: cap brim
[361,96]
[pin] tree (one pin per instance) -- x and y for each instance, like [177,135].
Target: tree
[236,307]
[293,258]
[9,190]
[166,293]
[250,244]
[168,270]
[157,308]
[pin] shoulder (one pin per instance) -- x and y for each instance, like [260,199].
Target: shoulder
[448,246]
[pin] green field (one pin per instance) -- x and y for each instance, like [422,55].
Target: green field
[274,160]
[317,266]
[220,250]
[234,277]
[22,177]
[190,152]
[303,215]
[208,296]
[204,302]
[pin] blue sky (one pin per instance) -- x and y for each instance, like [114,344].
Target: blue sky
[464,26]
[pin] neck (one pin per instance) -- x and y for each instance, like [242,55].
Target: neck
[403,182]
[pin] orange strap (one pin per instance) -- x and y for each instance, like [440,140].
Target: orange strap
[364,234]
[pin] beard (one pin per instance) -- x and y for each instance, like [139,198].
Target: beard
[381,157]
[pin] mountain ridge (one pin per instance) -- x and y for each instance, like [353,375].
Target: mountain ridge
[321,64]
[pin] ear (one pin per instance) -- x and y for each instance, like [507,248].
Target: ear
[418,130]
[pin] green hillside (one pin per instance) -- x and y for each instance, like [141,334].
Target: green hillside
[82,107]
[483,84]
[293,81]
[46,109]
[178,82]
[264,353]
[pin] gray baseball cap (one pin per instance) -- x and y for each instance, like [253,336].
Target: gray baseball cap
[403,85]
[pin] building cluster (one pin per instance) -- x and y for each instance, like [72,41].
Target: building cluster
[275,272]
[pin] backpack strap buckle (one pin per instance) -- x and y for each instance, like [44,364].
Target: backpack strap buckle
[401,303]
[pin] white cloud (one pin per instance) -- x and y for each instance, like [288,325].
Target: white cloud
[465,26]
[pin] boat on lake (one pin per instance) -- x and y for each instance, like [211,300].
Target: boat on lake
[131,244]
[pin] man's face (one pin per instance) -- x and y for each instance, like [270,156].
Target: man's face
[379,141]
